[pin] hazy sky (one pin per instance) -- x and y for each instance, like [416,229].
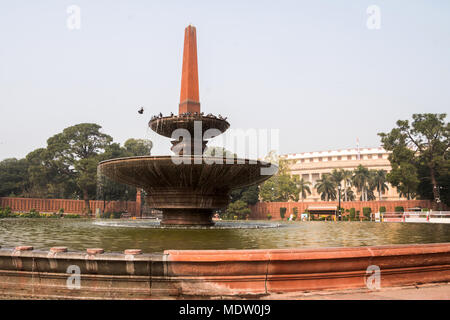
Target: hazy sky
[309,68]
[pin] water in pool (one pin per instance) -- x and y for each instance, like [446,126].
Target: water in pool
[115,236]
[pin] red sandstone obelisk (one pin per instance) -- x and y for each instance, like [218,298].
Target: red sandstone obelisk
[189,96]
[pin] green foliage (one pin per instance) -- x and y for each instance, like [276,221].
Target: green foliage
[382,209]
[360,179]
[294,213]
[366,212]
[238,209]
[337,176]
[67,167]
[219,152]
[347,179]
[71,216]
[399,209]
[326,186]
[378,181]
[247,194]
[280,188]
[269,216]
[33,214]
[138,147]
[352,214]
[111,215]
[303,188]
[13,176]
[6,213]
[282,212]
[420,157]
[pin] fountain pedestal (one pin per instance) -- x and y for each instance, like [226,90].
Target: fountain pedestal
[187,217]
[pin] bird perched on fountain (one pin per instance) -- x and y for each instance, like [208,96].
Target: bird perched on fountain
[171,114]
[160,115]
[141,110]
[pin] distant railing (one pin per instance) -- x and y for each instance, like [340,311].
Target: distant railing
[414,216]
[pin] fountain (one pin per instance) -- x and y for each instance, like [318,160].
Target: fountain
[189,189]
[174,263]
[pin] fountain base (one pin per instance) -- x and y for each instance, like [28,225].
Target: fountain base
[187,217]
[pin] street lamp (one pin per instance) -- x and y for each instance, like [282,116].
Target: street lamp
[339,207]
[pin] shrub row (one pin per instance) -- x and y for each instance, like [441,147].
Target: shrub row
[111,215]
[7,213]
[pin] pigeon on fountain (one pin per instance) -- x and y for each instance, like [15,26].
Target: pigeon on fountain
[141,110]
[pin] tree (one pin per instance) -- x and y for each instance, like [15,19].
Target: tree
[326,186]
[347,178]
[138,147]
[350,194]
[280,188]
[405,178]
[423,144]
[239,209]
[337,176]
[13,177]
[76,151]
[303,188]
[247,194]
[48,178]
[67,167]
[360,180]
[408,194]
[219,152]
[370,196]
[379,180]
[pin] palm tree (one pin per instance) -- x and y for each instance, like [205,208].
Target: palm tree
[337,176]
[350,194]
[303,188]
[406,194]
[379,181]
[361,177]
[326,186]
[370,196]
[347,177]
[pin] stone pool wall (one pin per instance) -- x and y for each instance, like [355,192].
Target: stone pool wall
[69,206]
[261,209]
[29,273]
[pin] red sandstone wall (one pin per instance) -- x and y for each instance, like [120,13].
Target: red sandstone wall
[69,206]
[261,209]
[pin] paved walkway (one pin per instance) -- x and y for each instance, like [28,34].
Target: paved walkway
[421,292]
[440,291]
